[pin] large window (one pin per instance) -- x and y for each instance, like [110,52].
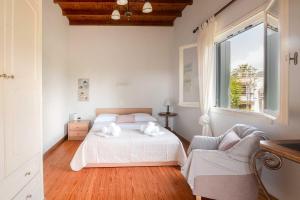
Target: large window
[247,69]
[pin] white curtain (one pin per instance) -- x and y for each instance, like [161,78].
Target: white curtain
[206,57]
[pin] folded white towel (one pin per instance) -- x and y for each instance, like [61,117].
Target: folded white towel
[151,129]
[112,130]
[101,134]
[115,130]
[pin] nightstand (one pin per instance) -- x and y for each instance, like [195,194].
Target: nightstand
[77,130]
[167,115]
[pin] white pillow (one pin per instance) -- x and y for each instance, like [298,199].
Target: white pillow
[106,118]
[143,117]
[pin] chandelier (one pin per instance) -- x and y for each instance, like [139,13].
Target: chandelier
[147,8]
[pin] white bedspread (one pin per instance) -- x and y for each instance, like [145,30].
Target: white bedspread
[131,146]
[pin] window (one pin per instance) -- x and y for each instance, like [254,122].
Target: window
[247,69]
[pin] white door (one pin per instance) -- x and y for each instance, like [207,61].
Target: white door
[2,39]
[22,93]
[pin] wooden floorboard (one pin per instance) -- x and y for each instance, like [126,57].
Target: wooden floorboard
[134,183]
[149,183]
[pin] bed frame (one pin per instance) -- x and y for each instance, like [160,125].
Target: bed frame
[123,111]
[126,111]
[136,164]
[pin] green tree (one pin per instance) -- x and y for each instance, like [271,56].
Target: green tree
[243,82]
[235,92]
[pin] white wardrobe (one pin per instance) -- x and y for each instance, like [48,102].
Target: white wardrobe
[20,100]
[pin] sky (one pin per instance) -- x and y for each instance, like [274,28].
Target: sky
[248,48]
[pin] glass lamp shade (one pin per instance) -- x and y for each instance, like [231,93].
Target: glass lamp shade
[122,2]
[147,8]
[115,15]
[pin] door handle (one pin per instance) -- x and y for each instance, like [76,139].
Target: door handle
[294,59]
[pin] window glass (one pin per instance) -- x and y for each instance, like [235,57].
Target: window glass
[241,70]
[272,60]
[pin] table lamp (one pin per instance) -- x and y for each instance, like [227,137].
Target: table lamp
[168,103]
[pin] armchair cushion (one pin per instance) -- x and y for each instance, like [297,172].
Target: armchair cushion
[204,142]
[229,141]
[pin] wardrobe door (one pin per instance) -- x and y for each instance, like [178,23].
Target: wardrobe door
[2,39]
[22,87]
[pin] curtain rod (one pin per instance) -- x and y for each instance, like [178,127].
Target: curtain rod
[216,14]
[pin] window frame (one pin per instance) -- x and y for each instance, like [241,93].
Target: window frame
[234,30]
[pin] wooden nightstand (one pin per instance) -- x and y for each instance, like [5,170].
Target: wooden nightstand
[77,130]
[167,115]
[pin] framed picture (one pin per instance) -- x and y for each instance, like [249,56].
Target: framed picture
[188,76]
[83,89]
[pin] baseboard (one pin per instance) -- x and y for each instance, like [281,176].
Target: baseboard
[47,153]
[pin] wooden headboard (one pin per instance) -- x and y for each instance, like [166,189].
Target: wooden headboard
[123,111]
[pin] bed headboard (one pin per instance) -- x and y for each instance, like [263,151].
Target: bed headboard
[123,111]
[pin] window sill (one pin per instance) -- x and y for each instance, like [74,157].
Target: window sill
[189,104]
[244,113]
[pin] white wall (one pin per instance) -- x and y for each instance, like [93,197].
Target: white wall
[127,67]
[284,183]
[55,105]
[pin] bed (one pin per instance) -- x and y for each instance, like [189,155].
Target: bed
[131,149]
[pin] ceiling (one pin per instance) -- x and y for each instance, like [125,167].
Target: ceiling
[98,12]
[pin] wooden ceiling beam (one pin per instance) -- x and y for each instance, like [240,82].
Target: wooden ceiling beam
[98,12]
[108,12]
[93,5]
[187,2]
[112,6]
[120,23]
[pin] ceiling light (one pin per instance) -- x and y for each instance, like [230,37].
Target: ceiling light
[147,8]
[115,15]
[122,2]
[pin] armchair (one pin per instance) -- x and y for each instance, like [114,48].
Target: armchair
[223,175]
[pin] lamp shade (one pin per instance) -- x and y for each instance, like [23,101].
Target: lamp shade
[115,15]
[122,2]
[147,8]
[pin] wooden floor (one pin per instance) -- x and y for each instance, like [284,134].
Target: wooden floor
[148,183]
[140,183]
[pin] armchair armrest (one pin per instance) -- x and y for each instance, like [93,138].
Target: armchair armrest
[212,162]
[204,142]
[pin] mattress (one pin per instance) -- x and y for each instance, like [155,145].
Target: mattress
[131,148]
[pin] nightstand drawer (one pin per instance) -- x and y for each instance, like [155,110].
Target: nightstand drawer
[79,126]
[78,133]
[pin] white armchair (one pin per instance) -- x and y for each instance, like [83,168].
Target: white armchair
[223,175]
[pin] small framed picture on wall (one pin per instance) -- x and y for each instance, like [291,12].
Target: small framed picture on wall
[83,89]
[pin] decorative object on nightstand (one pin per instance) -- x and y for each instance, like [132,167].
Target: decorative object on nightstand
[78,129]
[167,115]
[168,103]
[74,117]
